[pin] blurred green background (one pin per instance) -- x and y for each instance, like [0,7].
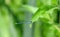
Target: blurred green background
[29,18]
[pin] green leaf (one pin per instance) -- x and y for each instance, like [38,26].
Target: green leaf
[43,14]
[30,8]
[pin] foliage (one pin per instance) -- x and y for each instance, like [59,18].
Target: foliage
[29,18]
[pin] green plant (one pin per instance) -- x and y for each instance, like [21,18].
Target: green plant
[29,18]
